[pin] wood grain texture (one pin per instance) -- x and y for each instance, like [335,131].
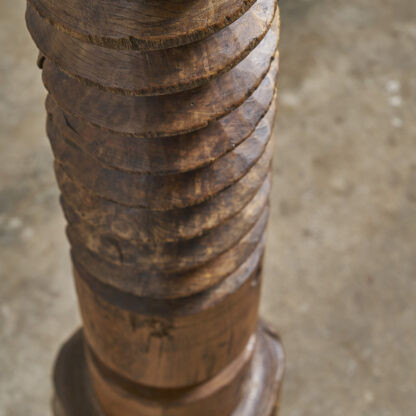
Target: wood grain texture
[167,191]
[164,285]
[148,341]
[144,72]
[120,396]
[168,257]
[141,24]
[75,397]
[75,216]
[104,240]
[132,277]
[202,216]
[160,118]
[164,115]
[167,155]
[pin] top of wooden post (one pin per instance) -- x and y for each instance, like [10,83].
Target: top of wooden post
[141,24]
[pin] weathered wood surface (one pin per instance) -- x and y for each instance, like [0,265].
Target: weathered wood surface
[160,117]
[115,225]
[119,396]
[148,341]
[257,397]
[145,72]
[167,154]
[167,224]
[169,257]
[141,24]
[164,285]
[164,115]
[163,191]
[117,249]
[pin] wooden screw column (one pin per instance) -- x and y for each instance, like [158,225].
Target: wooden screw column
[160,116]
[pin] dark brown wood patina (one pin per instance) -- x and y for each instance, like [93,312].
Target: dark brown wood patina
[160,117]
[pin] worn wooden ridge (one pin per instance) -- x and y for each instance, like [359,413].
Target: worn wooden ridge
[142,24]
[160,116]
[166,191]
[165,115]
[166,155]
[144,72]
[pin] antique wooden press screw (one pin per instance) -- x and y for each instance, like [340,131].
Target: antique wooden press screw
[160,116]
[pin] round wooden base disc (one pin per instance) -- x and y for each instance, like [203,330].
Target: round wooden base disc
[74,395]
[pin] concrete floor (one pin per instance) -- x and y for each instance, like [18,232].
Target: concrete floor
[341,264]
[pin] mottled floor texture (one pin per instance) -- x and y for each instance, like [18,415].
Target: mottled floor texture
[341,262]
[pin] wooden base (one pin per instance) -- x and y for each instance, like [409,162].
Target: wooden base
[74,395]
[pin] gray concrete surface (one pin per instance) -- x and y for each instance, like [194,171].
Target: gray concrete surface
[341,265]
